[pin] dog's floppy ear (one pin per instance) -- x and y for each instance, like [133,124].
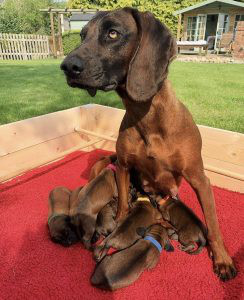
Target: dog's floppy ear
[149,66]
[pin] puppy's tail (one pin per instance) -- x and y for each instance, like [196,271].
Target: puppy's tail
[202,242]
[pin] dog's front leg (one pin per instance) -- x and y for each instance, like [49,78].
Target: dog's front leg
[123,181]
[223,264]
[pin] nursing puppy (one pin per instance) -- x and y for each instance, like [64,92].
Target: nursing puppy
[124,267]
[142,215]
[89,201]
[189,228]
[106,218]
[59,225]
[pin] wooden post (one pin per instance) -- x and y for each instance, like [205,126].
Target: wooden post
[179,27]
[53,35]
[60,36]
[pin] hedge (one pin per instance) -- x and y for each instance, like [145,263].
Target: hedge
[71,40]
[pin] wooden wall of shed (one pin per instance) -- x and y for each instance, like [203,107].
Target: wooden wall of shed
[231,11]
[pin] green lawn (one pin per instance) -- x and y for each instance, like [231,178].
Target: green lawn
[214,93]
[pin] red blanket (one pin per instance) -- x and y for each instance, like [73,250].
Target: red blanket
[32,267]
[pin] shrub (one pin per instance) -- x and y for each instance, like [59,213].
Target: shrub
[71,40]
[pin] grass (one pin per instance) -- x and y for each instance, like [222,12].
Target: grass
[214,93]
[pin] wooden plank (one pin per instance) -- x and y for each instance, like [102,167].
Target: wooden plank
[225,182]
[88,132]
[1,47]
[53,35]
[225,168]
[26,159]
[179,27]
[101,119]
[10,46]
[61,52]
[31,43]
[222,144]
[47,46]
[23,134]
[7,46]
[41,47]
[14,47]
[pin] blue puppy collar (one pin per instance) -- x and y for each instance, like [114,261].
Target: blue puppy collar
[154,242]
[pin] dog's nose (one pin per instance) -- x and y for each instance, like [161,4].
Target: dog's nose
[72,65]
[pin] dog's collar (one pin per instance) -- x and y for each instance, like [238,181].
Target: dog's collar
[53,216]
[154,242]
[112,167]
[163,200]
[143,198]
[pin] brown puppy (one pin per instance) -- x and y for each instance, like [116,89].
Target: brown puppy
[101,164]
[142,215]
[88,203]
[189,228]
[60,228]
[106,218]
[130,52]
[124,267]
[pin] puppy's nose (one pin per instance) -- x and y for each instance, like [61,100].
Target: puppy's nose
[72,66]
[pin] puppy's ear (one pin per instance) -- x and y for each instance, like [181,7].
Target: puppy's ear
[149,66]
[141,231]
[169,247]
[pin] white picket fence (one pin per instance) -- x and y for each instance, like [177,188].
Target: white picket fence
[23,46]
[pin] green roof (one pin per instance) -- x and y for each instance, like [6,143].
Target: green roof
[230,2]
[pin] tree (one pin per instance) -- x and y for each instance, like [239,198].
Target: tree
[23,16]
[163,10]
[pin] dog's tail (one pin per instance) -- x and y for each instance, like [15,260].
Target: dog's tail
[201,243]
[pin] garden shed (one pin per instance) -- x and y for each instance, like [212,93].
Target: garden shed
[210,21]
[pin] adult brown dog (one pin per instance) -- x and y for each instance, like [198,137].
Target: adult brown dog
[124,267]
[60,227]
[130,51]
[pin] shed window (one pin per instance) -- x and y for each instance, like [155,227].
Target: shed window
[191,28]
[237,19]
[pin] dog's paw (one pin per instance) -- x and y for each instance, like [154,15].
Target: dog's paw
[225,271]
[99,253]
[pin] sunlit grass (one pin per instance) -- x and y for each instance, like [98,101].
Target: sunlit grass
[214,93]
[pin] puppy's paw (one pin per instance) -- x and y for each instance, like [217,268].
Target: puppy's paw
[99,253]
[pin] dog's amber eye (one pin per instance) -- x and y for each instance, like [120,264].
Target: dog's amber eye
[113,34]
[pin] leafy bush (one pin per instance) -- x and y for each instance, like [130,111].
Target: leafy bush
[163,10]
[23,16]
[71,40]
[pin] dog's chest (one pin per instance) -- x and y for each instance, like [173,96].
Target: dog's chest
[149,150]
